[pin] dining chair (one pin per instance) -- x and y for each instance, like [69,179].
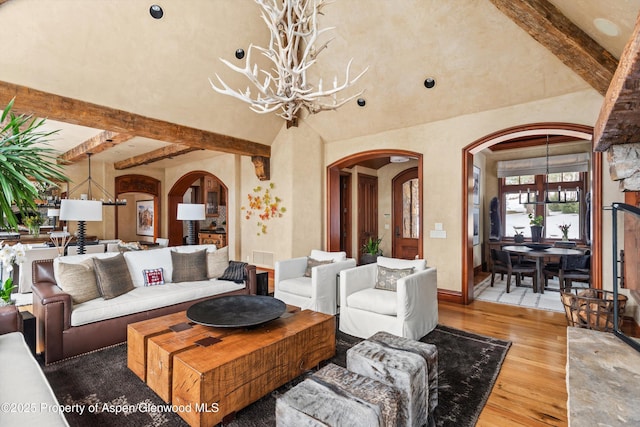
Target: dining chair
[574,267]
[501,262]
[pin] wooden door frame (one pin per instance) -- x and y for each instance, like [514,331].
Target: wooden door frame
[175,196]
[332,242]
[346,195]
[569,129]
[400,175]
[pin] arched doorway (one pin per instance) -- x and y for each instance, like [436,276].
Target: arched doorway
[335,195]
[176,194]
[140,184]
[540,129]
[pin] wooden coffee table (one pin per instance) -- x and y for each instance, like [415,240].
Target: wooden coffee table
[210,373]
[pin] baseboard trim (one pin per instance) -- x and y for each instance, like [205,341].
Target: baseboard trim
[450,296]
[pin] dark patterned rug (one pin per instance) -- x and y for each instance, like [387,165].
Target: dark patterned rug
[101,386]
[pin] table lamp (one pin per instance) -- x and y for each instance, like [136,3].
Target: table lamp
[81,211]
[190,212]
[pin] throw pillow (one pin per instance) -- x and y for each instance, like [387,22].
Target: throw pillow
[153,276]
[235,272]
[189,267]
[112,276]
[79,281]
[314,263]
[388,277]
[217,262]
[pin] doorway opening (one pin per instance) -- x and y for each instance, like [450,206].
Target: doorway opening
[198,187]
[579,132]
[364,181]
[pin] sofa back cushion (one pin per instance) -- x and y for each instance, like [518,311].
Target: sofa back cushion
[328,256]
[189,267]
[75,259]
[112,276]
[416,264]
[217,262]
[138,261]
[79,280]
[185,249]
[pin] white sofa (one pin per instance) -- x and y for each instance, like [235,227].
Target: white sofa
[24,390]
[411,311]
[318,292]
[66,329]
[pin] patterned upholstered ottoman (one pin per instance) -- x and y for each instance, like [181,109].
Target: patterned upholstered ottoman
[333,396]
[410,366]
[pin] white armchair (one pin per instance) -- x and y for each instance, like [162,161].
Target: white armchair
[317,292]
[410,311]
[25,279]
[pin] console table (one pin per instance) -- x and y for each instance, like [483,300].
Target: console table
[602,385]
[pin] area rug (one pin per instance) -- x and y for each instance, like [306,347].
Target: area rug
[101,386]
[519,295]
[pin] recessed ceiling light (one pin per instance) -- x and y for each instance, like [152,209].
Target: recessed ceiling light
[606,27]
[361,102]
[240,53]
[156,11]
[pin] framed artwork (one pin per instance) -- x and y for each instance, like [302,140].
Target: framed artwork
[476,185]
[476,225]
[145,218]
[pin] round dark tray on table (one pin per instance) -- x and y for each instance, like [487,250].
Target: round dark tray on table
[236,311]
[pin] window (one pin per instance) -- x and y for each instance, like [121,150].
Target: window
[516,214]
[410,210]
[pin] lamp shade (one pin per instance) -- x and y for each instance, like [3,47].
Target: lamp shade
[53,212]
[190,211]
[80,210]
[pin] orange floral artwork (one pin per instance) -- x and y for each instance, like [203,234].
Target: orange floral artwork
[264,205]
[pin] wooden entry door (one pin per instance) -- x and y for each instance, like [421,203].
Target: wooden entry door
[367,209]
[406,214]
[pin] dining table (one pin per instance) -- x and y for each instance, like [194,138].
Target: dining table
[539,253]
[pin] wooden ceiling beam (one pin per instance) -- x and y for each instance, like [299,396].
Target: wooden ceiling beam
[549,27]
[619,118]
[69,110]
[96,144]
[154,156]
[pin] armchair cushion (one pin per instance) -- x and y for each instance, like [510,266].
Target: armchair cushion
[312,262]
[325,256]
[374,300]
[388,277]
[297,286]
[79,281]
[418,264]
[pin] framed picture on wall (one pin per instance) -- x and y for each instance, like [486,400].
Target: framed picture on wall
[145,218]
[476,225]
[476,185]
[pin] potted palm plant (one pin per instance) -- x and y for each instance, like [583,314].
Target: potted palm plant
[371,251]
[24,158]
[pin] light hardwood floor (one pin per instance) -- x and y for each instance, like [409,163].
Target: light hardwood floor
[531,389]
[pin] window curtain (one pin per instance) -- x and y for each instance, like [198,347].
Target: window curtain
[577,162]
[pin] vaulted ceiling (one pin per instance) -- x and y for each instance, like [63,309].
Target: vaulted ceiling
[134,89]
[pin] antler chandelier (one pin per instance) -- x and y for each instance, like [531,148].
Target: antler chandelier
[292,51]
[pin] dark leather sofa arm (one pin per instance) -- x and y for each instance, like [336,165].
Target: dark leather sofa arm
[46,292]
[10,319]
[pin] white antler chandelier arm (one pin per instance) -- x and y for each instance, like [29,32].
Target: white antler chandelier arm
[293,35]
